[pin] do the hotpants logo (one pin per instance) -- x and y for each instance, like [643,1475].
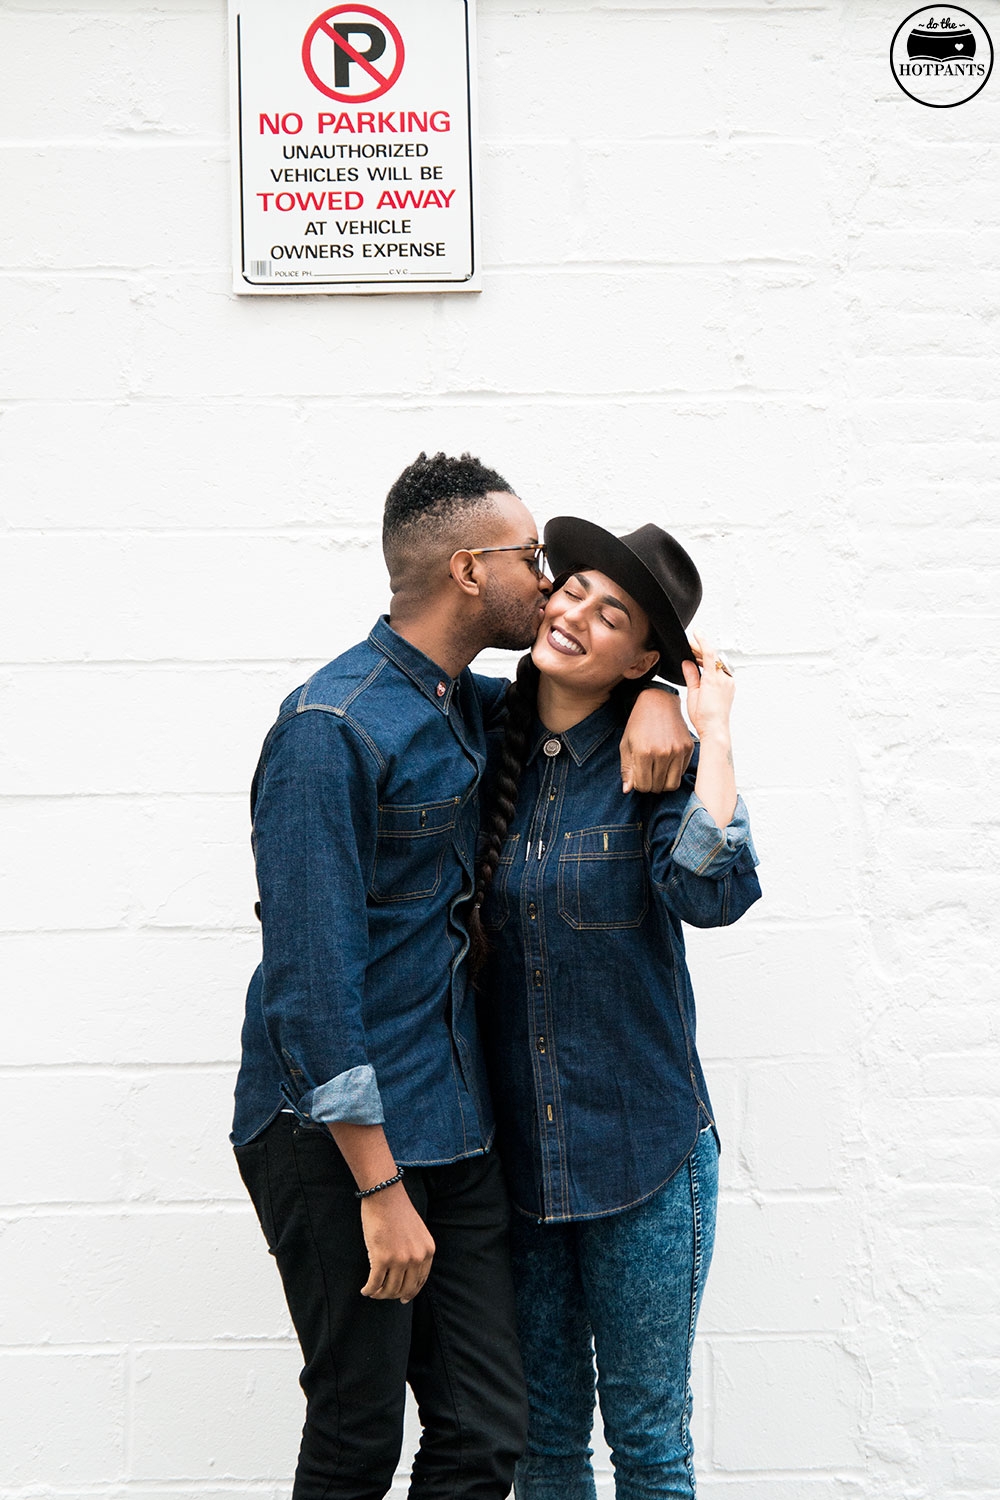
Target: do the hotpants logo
[941,56]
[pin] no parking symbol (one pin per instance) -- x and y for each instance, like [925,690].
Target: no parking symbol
[342,47]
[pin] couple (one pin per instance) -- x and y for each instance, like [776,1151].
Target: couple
[364,1107]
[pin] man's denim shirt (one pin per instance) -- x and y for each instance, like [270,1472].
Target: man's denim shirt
[588,1014]
[365,814]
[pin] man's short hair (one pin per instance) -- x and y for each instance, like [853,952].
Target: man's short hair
[429,502]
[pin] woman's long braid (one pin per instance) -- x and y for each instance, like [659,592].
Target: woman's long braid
[521,703]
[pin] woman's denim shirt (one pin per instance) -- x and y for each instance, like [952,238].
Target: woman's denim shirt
[586,1007]
[365,816]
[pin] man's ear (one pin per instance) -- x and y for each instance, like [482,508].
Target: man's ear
[643,664]
[467,572]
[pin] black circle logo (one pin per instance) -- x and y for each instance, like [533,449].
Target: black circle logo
[941,56]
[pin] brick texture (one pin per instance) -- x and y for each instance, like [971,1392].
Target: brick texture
[736,281]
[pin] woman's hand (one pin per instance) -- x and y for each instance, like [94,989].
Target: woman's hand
[710,694]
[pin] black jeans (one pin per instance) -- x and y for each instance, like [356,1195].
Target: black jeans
[455,1344]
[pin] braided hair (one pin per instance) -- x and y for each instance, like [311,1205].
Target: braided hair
[521,702]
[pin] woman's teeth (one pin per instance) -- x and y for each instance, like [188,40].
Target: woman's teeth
[566,643]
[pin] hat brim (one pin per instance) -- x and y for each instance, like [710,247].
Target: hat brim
[572,545]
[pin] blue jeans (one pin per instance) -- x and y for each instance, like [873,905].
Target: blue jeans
[627,1288]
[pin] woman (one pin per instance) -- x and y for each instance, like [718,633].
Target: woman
[604,1120]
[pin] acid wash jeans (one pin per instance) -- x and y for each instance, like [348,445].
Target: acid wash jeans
[628,1288]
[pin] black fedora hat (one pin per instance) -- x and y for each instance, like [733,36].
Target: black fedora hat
[648,564]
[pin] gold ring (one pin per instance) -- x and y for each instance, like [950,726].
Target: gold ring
[721,665]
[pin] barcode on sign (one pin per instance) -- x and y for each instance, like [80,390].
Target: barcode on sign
[260,268]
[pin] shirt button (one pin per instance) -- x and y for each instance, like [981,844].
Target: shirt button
[532,911]
[540,1043]
[538,979]
[552,747]
[441,689]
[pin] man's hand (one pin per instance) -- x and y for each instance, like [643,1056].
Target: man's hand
[399,1244]
[656,746]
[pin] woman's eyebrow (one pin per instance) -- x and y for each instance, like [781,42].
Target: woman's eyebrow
[605,598]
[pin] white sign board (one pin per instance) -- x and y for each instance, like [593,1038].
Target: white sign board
[354,146]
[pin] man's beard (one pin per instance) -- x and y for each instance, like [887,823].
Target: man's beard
[510,624]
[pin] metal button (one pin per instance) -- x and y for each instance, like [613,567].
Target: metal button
[552,747]
[441,689]
[538,979]
[540,1043]
[532,911]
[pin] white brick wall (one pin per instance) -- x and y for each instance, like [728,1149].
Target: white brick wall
[735,280]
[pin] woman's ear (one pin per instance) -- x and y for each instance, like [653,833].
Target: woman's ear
[643,664]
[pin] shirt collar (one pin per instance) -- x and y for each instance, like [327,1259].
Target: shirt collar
[425,674]
[584,738]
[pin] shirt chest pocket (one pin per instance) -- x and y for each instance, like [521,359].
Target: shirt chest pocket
[602,877]
[410,848]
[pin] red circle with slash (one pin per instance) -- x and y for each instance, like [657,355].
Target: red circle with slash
[321,26]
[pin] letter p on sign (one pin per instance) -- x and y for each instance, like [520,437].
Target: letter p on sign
[345,56]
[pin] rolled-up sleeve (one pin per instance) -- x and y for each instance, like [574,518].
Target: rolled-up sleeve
[352,1096]
[704,848]
[315,821]
[705,875]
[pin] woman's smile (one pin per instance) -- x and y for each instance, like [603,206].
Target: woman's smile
[561,640]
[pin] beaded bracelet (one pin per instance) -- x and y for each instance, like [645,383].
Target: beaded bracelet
[389,1182]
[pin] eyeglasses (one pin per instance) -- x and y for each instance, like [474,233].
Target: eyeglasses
[536,562]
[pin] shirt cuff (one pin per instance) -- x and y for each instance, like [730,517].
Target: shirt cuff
[704,848]
[352,1098]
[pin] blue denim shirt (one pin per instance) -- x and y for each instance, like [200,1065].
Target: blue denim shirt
[365,815]
[587,1008]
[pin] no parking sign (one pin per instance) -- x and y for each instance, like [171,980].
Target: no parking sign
[354,152]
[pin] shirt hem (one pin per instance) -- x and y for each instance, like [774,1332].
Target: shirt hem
[610,1213]
[444,1161]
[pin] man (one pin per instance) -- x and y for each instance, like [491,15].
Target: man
[361,1058]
